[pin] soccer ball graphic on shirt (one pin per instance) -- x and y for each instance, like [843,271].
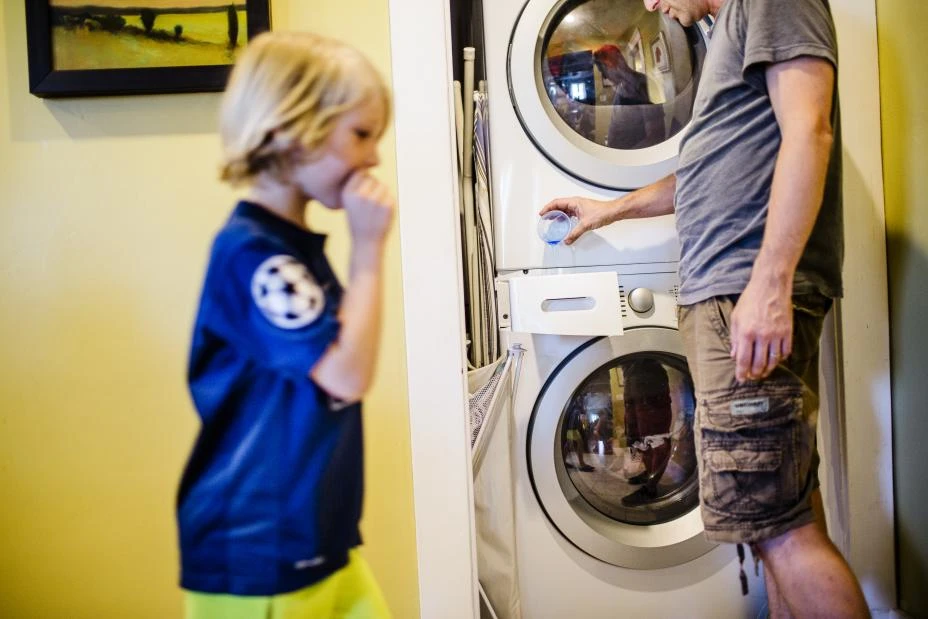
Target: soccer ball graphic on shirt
[286,292]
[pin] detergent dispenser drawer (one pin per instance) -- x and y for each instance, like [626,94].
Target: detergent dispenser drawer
[573,304]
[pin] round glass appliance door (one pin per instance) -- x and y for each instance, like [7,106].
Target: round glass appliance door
[604,88]
[612,456]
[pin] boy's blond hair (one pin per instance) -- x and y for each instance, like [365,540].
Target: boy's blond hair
[286,91]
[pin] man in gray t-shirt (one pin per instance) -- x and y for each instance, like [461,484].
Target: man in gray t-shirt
[757,196]
[728,157]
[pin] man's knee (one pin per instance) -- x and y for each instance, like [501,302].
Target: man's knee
[805,538]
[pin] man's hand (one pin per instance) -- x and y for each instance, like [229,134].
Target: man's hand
[650,201]
[590,214]
[761,330]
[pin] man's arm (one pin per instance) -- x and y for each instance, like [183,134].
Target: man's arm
[762,322]
[650,201]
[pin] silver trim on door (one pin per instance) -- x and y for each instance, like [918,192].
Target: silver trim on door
[624,545]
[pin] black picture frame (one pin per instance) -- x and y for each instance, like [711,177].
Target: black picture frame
[45,81]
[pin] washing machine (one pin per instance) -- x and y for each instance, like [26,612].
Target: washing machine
[606,499]
[587,97]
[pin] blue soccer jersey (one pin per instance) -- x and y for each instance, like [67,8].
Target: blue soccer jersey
[271,497]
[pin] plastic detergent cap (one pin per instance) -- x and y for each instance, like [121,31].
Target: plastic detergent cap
[554,226]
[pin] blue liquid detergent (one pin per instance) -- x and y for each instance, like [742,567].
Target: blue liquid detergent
[554,226]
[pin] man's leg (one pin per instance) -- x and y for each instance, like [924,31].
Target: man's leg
[776,603]
[811,576]
[656,460]
[767,427]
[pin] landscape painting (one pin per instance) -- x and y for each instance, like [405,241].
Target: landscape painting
[122,34]
[80,47]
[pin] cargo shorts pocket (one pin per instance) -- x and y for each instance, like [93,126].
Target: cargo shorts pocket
[751,462]
[749,479]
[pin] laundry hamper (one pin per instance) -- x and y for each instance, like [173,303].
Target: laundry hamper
[490,404]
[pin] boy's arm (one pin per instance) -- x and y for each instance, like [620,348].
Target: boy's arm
[649,201]
[346,370]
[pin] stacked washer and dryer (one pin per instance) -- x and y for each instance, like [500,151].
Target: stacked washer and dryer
[592,98]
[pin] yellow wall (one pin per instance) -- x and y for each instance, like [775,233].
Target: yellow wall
[107,207]
[904,93]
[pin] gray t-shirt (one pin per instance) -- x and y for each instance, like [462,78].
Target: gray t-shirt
[728,156]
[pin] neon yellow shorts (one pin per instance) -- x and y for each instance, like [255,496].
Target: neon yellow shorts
[349,593]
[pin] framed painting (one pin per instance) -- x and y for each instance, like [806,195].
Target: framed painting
[634,50]
[126,47]
[659,53]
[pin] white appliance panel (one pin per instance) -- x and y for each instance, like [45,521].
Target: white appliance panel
[524,179]
[556,578]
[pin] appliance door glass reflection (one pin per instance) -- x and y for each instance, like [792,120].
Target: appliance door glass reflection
[627,439]
[618,75]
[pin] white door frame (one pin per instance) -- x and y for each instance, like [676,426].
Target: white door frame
[864,311]
[428,195]
[434,308]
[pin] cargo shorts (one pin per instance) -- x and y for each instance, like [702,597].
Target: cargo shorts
[755,441]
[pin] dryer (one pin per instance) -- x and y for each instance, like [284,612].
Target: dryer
[599,532]
[587,97]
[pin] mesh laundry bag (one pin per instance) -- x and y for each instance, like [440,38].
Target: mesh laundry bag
[491,422]
[483,384]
